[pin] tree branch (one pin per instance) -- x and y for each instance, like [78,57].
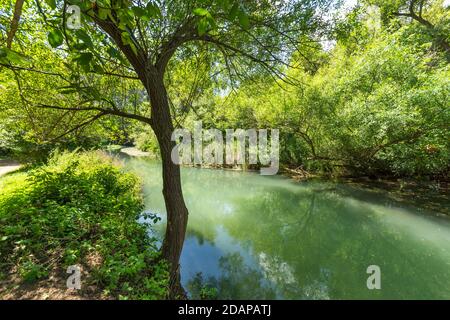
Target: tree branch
[115,112]
[83,124]
[14,23]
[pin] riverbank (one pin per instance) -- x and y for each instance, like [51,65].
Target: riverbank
[429,197]
[299,174]
[425,194]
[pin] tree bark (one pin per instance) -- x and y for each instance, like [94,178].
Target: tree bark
[14,23]
[152,77]
[177,213]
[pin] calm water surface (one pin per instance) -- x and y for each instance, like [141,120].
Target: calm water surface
[260,237]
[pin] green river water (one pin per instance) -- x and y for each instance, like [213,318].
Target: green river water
[269,237]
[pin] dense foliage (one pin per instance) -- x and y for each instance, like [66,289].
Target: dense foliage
[375,103]
[357,91]
[75,207]
[365,95]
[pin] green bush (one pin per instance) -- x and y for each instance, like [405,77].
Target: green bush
[145,140]
[76,205]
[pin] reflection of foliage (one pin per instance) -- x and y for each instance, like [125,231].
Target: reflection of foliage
[310,240]
[238,281]
[201,289]
[308,254]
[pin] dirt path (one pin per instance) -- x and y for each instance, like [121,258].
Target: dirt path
[7,166]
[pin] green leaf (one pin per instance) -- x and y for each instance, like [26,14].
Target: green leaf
[126,38]
[113,52]
[83,36]
[103,13]
[80,46]
[244,20]
[98,69]
[126,18]
[201,12]
[146,18]
[153,10]
[224,4]
[202,26]
[84,58]
[55,38]
[139,12]
[233,11]
[51,3]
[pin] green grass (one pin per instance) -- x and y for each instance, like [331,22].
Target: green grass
[76,205]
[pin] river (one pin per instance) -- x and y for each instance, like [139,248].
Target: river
[269,237]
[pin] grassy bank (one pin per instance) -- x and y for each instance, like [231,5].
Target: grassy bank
[78,209]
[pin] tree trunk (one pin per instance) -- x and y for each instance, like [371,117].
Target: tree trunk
[177,213]
[14,23]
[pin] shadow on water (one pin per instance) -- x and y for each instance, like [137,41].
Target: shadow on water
[254,237]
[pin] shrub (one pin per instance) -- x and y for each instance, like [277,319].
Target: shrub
[77,205]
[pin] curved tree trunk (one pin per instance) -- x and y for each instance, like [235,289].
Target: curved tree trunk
[152,77]
[177,213]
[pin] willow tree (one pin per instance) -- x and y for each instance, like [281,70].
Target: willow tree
[139,39]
